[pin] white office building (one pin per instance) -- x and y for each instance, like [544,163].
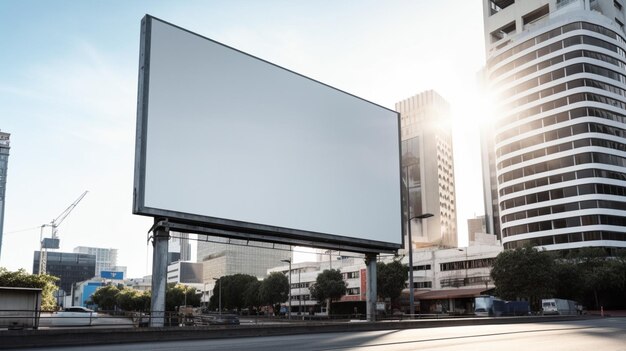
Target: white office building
[106,259]
[444,280]
[557,69]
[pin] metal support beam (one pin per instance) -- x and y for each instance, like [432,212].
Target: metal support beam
[370,262]
[160,241]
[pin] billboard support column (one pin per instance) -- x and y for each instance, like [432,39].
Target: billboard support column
[160,238]
[370,262]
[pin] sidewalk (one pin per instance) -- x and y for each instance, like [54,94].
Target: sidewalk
[609,313]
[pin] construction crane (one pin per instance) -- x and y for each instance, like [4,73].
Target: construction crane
[53,242]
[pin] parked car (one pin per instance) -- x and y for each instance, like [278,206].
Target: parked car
[74,316]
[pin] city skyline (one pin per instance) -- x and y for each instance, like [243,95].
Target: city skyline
[70,96]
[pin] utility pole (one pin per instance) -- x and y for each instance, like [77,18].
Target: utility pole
[299,295]
[289,298]
[411,288]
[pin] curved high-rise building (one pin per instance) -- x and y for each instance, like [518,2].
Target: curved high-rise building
[558,70]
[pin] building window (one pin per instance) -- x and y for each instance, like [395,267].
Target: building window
[499,5]
[351,275]
[503,32]
[462,265]
[353,291]
[535,15]
[422,285]
[562,3]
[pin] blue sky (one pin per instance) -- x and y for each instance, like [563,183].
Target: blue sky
[68,87]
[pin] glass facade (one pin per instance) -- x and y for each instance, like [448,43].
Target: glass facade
[69,267]
[106,259]
[411,177]
[223,256]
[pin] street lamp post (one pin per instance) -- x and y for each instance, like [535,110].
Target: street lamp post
[289,298]
[206,297]
[420,217]
[220,296]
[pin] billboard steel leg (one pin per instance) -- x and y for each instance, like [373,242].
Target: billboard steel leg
[370,262]
[161,236]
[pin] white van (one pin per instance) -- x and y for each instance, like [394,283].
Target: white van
[558,306]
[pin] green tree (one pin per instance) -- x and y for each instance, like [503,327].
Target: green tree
[274,290]
[568,282]
[391,279]
[601,276]
[233,289]
[525,273]
[145,300]
[180,295]
[329,285]
[22,279]
[251,296]
[133,300]
[106,297]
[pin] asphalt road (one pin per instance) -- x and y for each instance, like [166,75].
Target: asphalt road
[607,334]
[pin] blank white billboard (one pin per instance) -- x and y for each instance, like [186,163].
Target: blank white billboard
[229,141]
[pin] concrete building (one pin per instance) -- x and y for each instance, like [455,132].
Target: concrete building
[179,248]
[69,267]
[426,135]
[557,69]
[185,273]
[304,274]
[4,166]
[142,284]
[444,280]
[476,225]
[223,256]
[448,280]
[477,232]
[106,259]
[490,183]
[82,291]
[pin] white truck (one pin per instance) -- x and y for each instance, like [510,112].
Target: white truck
[559,306]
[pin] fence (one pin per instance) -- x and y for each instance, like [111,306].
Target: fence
[36,319]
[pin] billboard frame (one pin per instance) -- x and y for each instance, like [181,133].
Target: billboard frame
[201,224]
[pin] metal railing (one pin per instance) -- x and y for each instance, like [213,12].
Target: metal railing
[37,319]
